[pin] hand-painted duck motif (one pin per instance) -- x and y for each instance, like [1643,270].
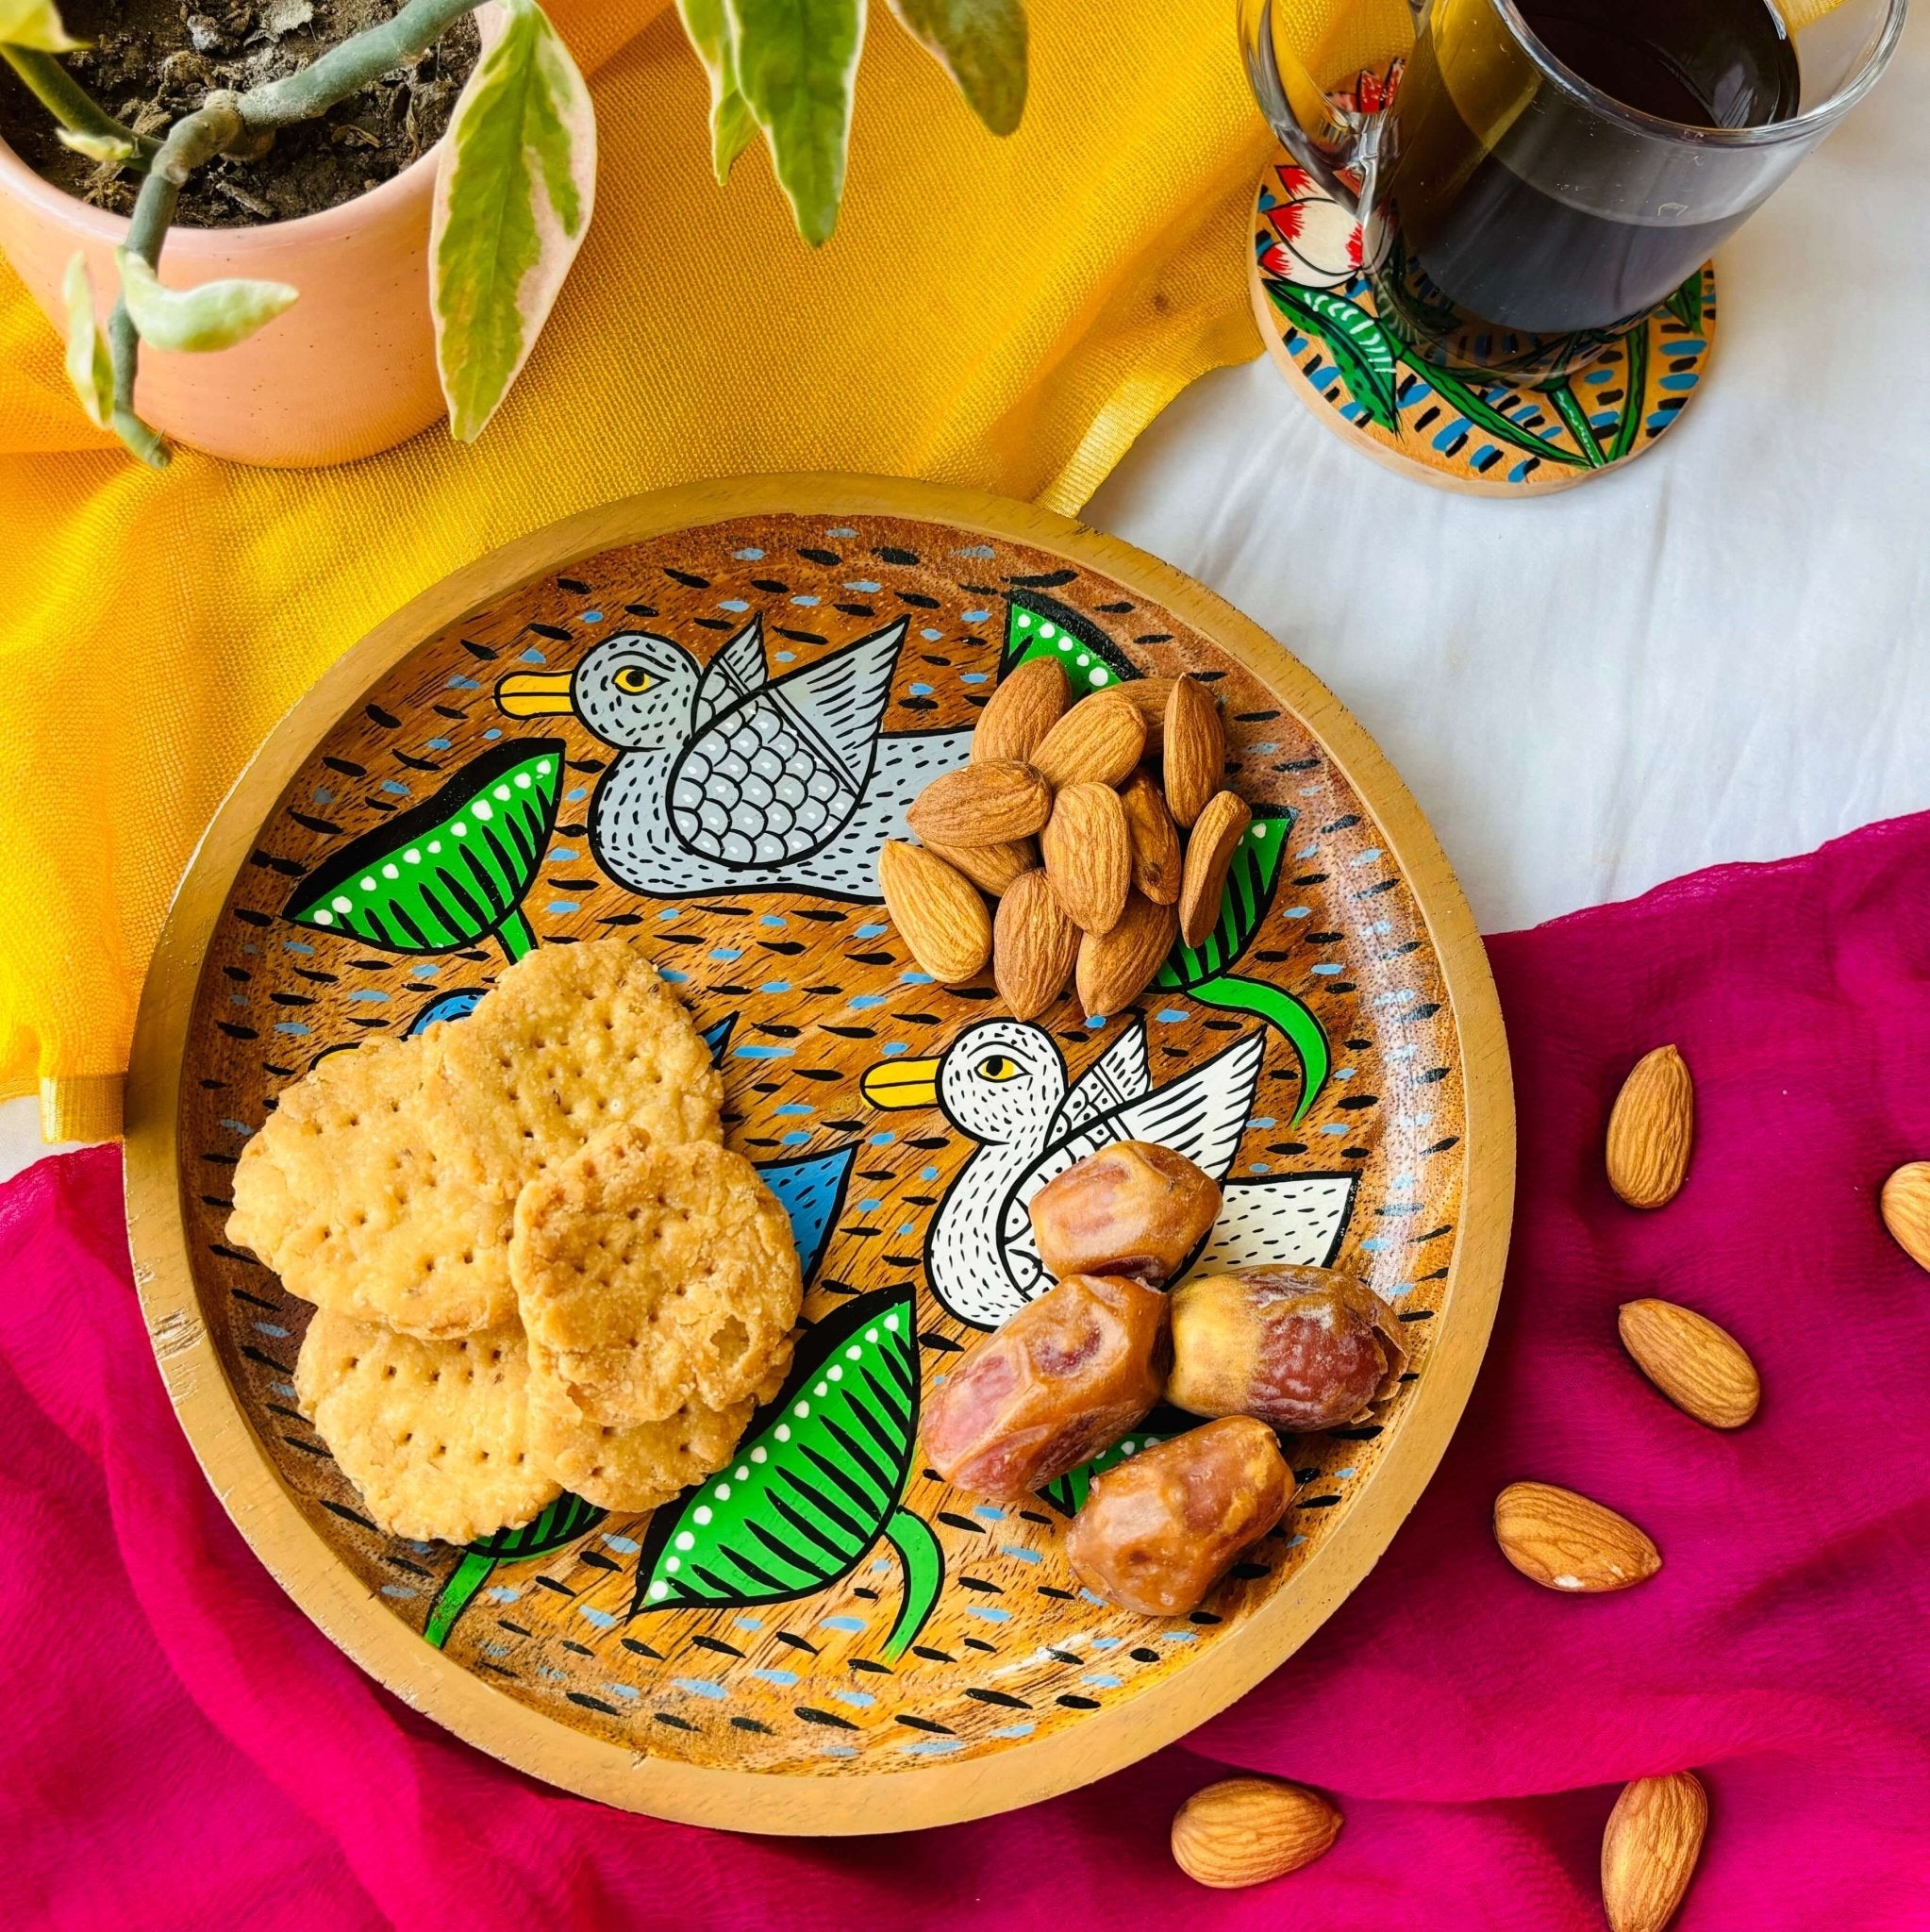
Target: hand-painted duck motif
[732,781]
[1005,1084]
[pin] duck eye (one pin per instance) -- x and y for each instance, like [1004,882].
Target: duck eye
[996,1066]
[632,678]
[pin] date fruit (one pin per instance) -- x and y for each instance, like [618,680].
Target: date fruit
[1134,1208]
[1159,1531]
[1067,1377]
[1300,1348]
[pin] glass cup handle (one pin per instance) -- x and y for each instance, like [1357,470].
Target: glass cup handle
[1333,135]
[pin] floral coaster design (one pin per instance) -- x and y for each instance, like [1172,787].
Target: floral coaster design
[1316,308]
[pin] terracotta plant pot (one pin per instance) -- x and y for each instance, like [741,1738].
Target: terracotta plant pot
[348,370]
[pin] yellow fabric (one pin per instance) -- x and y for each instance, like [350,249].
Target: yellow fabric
[1006,314]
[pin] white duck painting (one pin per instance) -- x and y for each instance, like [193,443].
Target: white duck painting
[1005,1084]
[729,780]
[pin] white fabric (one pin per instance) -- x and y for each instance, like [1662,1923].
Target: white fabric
[1720,652]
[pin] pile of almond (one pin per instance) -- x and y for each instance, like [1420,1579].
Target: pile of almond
[1070,815]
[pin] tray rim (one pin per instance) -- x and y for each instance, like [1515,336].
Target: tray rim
[935,1793]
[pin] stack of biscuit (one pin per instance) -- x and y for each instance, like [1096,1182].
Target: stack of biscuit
[534,1264]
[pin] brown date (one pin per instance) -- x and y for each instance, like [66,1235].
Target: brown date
[1134,1208]
[1067,1377]
[1158,1531]
[1301,1348]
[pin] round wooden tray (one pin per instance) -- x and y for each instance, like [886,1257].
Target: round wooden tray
[897,1655]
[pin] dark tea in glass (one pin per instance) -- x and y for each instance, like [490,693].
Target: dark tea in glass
[1538,174]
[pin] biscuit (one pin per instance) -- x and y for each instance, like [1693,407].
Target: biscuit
[343,1194]
[434,1434]
[639,1467]
[569,1039]
[650,1275]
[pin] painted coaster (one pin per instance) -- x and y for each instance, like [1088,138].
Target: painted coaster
[1316,310]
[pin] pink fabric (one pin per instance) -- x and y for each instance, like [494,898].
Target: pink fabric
[182,1749]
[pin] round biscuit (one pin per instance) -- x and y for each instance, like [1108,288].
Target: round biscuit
[640,1467]
[344,1197]
[651,1276]
[570,1040]
[433,1434]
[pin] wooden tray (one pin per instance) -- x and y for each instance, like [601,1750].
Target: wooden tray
[897,1654]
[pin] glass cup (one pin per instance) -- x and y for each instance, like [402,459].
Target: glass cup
[1514,218]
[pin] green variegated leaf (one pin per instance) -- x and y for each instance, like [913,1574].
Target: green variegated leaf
[215,315]
[35,24]
[90,368]
[981,44]
[796,64]
[731,126]
[513,194]
[109,149]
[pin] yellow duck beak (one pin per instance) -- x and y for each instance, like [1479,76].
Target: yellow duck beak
[534,693]
[893,1084]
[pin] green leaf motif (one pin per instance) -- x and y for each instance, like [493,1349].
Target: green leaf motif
[90,368]
[732,129]
[1563,401]
[1363,351]
[1249,892]
[814,1486]
[1044,627]
[556,1526]
[1634,383]
[1483,415]
[981,44]
[1684,304]
[35,24]
[1204,971]
[514,190]
[455,868]
[796,67]
[214,315]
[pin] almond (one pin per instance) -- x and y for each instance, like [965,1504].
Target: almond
[937,912]
[1216,835]
[1195,755]
[1151,696]
[1097,743]
[1116,967]
[992,803]
[1650,1848]
[1564,1541]
[1652,1130]
[1034,945]
[1246,1830]
[992,868]
[1088,856]
[1156,863]
[1907,1209]
[1701,1368]
[1028,702]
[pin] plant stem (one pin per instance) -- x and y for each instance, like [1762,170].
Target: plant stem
[343,70]
[71,104]
[227,119]
[193,140]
